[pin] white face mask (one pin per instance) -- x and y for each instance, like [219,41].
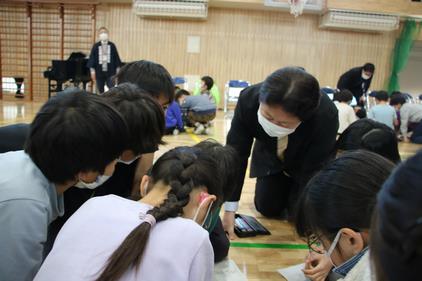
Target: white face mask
[128,162]
[365,77]
[333,246]
[92,185]
[346,265]
[103,37]
[195,216]
[272,129]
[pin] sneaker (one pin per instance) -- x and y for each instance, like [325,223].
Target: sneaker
[175,132]
[199,130]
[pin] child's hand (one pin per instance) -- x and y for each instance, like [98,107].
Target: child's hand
[317,267]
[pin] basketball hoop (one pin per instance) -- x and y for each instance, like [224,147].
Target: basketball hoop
[296,7]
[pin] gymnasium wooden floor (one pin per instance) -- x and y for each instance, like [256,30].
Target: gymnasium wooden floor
[258,258]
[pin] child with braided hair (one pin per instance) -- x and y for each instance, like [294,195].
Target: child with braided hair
[158,238]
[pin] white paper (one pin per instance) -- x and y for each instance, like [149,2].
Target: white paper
[293,273]
[194,44]
[227,270]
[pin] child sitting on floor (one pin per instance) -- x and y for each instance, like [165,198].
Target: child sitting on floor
[200,111]
[383,112]
[174,121]
[346,114]
[334,215]
[209,88]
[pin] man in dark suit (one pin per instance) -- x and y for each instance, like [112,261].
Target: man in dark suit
[357,80]
[294,128]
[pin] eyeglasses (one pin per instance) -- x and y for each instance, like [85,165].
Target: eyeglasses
[315,244]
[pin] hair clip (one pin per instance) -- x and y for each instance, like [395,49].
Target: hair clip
[148,218]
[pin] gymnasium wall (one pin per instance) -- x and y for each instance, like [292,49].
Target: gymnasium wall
[246,44]
[234,44]
[402,7]
[46,29]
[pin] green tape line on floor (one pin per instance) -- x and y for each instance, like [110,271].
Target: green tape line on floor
[269,246]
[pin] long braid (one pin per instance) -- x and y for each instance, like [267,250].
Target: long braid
[129,254]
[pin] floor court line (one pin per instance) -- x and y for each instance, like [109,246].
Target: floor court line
[194,137]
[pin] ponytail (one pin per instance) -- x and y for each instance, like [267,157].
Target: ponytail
[183,170]
[129,253]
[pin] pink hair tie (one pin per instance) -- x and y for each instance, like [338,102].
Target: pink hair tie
[148,218]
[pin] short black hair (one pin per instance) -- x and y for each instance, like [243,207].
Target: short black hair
[370,135]
[395,94]
[343,96]
[381,95]
[227,158]
[143,115]
[337,197]
[208,81]
[292,88]
[370,67]
[75,132]
[181,92]
[397,100]
[149,76]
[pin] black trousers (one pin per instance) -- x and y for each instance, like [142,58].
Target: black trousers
[275,194]
[169,130]
[417,134]
[102,80]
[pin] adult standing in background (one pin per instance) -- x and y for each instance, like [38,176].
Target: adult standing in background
[104,61]
[294,128]
[357,80]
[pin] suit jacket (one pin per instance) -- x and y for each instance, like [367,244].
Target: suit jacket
[308,149]
[115,61]
[352,80]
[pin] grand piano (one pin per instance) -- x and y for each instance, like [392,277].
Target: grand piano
[73,69]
